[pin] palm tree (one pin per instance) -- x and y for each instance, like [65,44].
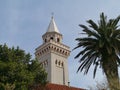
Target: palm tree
[100,47]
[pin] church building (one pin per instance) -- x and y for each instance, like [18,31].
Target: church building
[53,54]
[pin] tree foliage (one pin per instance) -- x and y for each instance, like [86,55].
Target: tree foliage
[18,70]
[100,47]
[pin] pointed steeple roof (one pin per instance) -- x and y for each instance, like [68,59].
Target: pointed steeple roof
[52,26]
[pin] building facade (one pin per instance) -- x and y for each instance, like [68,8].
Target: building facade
[53,54]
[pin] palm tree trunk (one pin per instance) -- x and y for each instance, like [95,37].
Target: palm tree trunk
[111,71]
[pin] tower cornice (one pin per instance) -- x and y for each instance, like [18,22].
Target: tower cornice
[53,46]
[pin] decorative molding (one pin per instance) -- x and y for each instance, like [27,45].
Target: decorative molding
[52,46]
[44,63]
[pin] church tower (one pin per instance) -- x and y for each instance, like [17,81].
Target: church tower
[53,54]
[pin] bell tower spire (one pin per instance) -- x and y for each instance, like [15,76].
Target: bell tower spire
[53,54]
[52,33]
[52,26]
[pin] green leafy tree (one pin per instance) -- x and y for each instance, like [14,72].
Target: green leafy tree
[100,47]
[18,71]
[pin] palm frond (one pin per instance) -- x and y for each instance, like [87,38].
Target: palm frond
[88,39]
[91,33]
[116,33]
[95,69]
[103,20]
[93,25]
[83,51]
[87,63]
[115,22]
[86,55]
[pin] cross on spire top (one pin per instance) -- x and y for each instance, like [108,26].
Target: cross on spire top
[52,14]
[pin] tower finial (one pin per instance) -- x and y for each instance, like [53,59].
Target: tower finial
[52,14]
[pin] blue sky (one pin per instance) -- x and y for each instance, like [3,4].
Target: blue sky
[23,22]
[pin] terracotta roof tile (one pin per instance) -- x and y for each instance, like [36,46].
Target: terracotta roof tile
[57,87]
